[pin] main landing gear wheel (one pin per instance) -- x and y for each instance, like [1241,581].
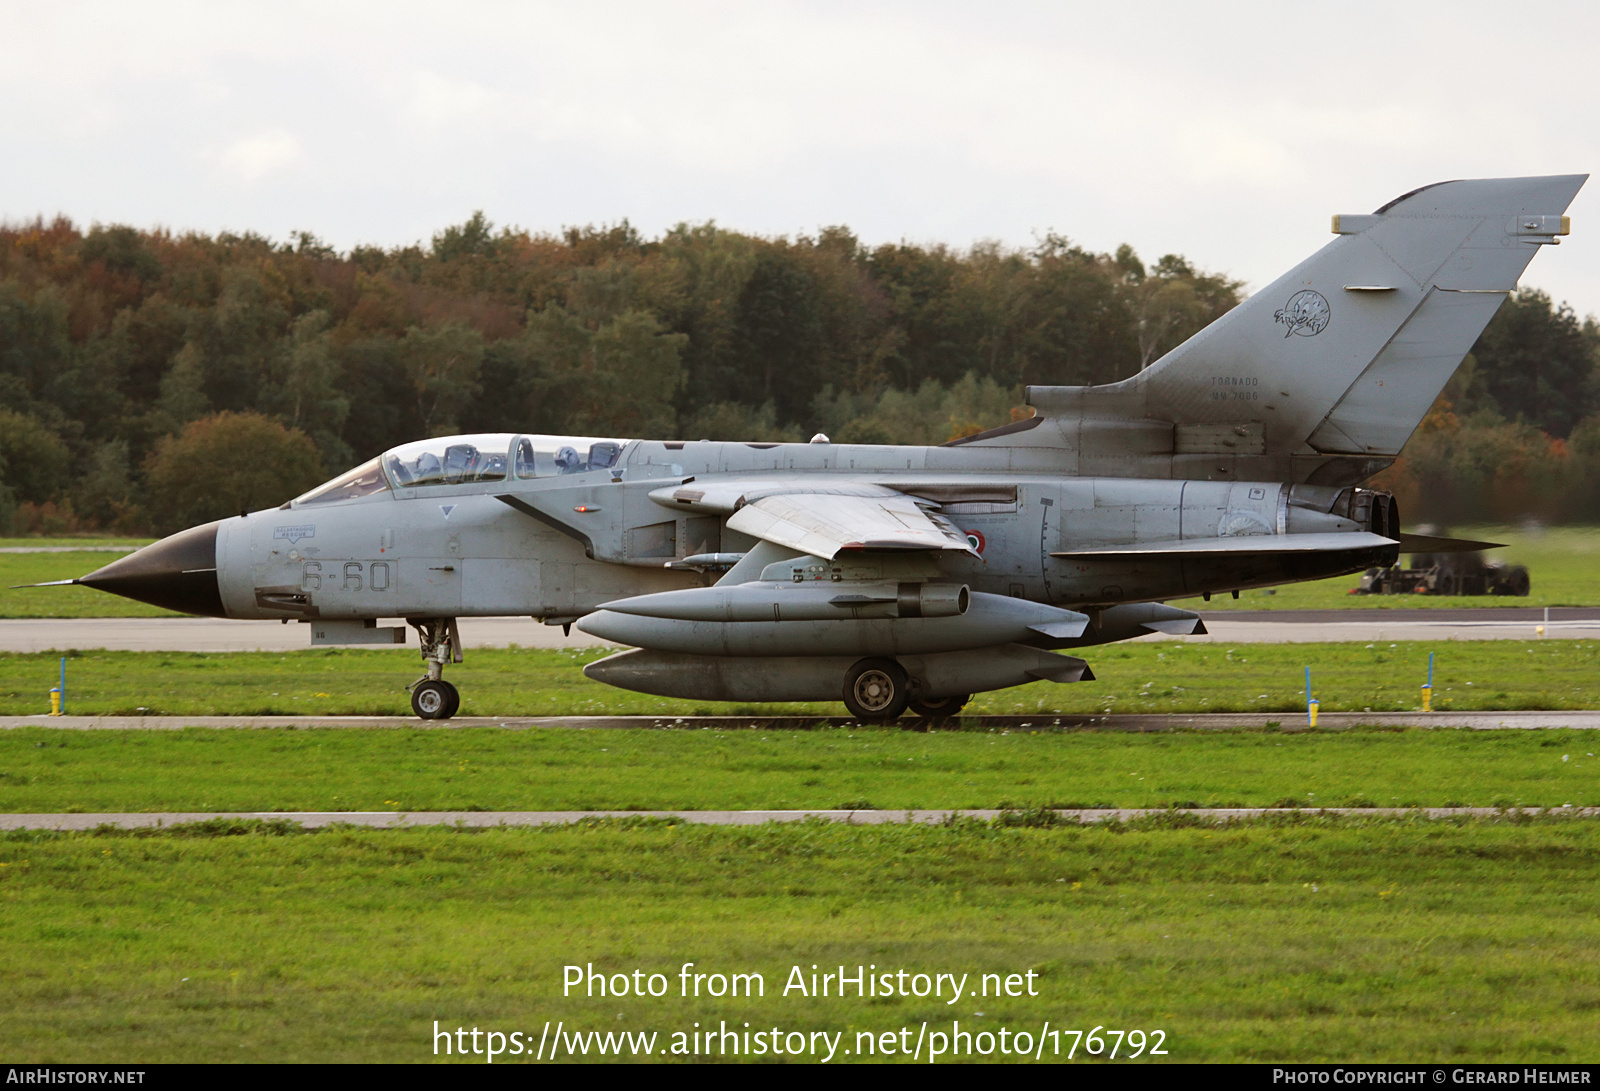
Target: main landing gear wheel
[939,708]
[1517,581]
[435,699]
[876,689]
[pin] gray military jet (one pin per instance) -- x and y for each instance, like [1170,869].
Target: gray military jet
[890,576]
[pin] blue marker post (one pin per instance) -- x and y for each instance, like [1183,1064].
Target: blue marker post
[63,685]
[1427,690]
[1311,702]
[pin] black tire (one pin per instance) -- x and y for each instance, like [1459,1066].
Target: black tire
[876,689]
[1519,582]
[435,700]
[939,708]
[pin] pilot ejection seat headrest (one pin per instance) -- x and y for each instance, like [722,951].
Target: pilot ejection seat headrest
[603,455]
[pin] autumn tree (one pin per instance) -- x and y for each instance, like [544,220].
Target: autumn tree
[1172,302]
[1537,362]
[616,378]
[227,463]
[442,365]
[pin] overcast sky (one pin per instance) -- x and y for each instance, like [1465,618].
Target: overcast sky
[1228,132]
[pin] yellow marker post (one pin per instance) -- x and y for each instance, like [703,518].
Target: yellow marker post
[1311,710]
[55,701]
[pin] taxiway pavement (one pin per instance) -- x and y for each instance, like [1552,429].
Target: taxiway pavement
[1226,627]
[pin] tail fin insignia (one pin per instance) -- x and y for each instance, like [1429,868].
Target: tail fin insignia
[1339,358]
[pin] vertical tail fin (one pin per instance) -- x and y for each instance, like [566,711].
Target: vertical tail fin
[1325,373]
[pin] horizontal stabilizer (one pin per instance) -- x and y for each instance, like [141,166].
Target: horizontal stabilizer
[1428,543]
[1236,546]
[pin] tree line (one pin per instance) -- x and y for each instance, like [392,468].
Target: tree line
[150,379]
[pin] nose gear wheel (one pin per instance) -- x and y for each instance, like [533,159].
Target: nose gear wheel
[435,699]
[432,698]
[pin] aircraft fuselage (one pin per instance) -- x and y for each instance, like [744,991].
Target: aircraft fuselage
[458,550]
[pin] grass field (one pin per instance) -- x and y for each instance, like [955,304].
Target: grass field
[61,602]
[1161,676]
[89,542]
[491,769]
[1306,940]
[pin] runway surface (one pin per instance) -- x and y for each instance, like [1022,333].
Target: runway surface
[1226,627]
[1286,721]
[481,819]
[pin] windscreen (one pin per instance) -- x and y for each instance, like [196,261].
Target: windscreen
[364,480]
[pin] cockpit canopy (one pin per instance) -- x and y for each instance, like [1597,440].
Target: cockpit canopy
[463,460]
[549,456]
[452,460]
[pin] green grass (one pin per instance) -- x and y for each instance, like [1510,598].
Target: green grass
[1310,940]
[82,540]
[61,602]
[491,769]
[1563,564]
[1162,676]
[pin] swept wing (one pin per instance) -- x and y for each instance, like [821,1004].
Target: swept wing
[824,519]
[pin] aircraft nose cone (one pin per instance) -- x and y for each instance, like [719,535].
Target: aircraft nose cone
[178,573]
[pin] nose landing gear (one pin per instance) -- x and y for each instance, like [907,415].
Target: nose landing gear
[432,698]
[435,699]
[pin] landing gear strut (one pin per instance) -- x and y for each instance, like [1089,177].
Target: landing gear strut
[432,698]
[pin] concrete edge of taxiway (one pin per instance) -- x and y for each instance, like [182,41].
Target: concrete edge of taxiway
[1218,721]
[312,820]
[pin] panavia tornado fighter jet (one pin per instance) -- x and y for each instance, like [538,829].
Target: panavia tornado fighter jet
[890,577]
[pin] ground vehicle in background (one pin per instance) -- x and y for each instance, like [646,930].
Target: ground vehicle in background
[1447,574]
